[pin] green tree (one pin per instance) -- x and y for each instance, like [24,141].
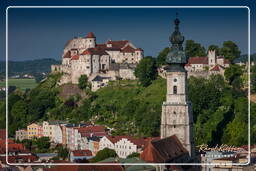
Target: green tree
[146,71]
[83,82]
[230,50]
[133,155]
[104,154]
[43,144]
[214,47]
[233,73]
[253,79]
[62,152]
[18,116]
[193,49]
[160,60]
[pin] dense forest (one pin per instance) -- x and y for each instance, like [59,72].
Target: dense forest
[28,66]
[220,105]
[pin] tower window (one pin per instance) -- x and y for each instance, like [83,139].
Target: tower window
[174,89]
[175,80]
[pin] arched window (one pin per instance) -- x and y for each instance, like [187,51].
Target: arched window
[174,89]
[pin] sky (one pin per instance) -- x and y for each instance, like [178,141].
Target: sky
[35,33]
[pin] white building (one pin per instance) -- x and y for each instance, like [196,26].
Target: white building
[206,63]
[21,134]
[52,129]
[83,56]
[123,145]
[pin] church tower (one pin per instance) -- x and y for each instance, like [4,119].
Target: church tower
[176,110]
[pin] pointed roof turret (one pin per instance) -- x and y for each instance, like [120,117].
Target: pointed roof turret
[176,54]
[90,35]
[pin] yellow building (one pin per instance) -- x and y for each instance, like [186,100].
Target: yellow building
[34,130]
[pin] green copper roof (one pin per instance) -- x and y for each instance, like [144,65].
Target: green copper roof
[176,54]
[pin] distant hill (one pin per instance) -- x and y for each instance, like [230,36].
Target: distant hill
[29,66]
[244,58]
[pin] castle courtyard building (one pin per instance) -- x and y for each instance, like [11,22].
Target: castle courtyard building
[83,56]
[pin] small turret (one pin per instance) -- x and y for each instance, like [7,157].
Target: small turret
[90,40]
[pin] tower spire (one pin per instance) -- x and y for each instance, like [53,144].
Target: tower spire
[176,54]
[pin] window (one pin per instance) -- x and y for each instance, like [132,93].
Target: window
[174,89]
[175,80]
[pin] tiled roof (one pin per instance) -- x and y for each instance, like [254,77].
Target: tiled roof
[217,68]
[95,51]
[138,49]
[82,153]
[198,60]
[117,44]
[75,57]
[92,131]
[90,35]
[128,49]
[140,142]
[163,150]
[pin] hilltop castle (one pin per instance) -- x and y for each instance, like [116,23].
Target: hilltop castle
[83,56]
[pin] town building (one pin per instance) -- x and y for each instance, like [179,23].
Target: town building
[176,116]
[156,151]
[83,56]
[53,130]
[78,155]
[17,153]
[207,65]
[21,134]
[34,130]
[123,145]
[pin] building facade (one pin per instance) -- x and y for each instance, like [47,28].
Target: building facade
[21,134]
[176,110]
[34,130]
[83,56]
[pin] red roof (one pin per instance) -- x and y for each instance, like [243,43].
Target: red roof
[67,55]
[198,60]
[216,68]
[95,51]
[90,35]
[75,57]
[128,49]
[117,44]
[87,52]
[3,134]
[82,153]
[138,49]
[163,150]
[89,131]
[140,142]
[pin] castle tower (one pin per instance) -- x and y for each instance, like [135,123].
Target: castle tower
[211,58]
[90,40]
[176,110]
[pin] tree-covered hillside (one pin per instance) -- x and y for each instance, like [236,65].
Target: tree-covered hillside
[220,110]
[29,66]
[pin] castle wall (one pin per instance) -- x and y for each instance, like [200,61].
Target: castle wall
[127,74]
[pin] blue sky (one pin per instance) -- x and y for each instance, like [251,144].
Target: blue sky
[42,33]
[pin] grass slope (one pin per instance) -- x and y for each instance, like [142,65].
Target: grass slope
[20,83]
